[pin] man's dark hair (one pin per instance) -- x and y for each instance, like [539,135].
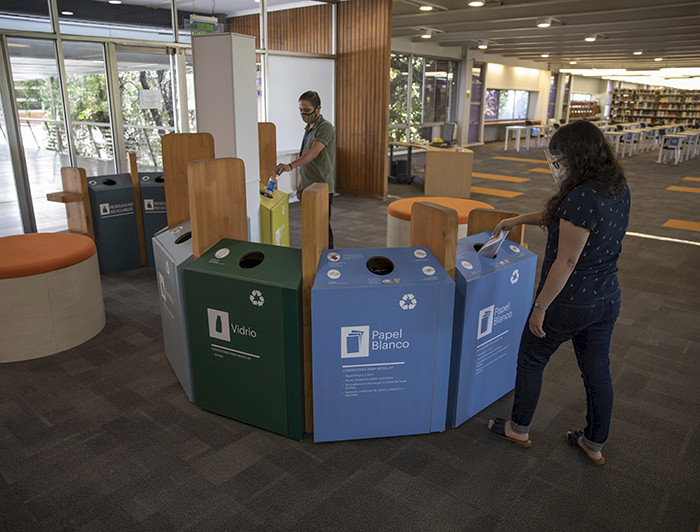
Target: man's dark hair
[312,97]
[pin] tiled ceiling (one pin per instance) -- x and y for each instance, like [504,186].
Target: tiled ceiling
[659,28]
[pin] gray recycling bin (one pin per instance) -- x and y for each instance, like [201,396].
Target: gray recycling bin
[114,222]
[244,317]
[155,217]
[382,334]
[172,249]
[492,302]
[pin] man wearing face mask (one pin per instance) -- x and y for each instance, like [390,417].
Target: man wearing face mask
[578,297]
[316,161]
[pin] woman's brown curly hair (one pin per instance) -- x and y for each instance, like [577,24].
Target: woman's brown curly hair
[589,157]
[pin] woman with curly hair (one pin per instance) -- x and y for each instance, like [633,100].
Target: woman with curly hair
[578,297]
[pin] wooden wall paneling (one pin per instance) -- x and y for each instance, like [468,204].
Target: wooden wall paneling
[304,29]
[362,96]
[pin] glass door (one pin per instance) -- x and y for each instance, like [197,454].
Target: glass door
[148,103]
[40,115]
[86,86]
[10,219]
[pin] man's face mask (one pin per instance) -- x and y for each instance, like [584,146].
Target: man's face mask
[559,171]
[309,117]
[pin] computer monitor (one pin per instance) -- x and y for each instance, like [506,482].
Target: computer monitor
[448,131]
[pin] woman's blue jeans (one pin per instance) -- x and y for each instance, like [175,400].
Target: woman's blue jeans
[590,328]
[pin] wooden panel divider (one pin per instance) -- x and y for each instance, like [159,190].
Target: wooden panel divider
[138,205]
[217,197]
[436,227]
[267,149]
[482,220]
[314,239]
[179,149]
[76,197]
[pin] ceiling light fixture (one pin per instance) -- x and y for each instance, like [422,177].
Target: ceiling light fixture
[573,62]
[67,13]
[483,45]
[545,56]
[639,52]
[426,8]
[590,38]
[476,3]
[115,2]
[658,59]
[544,22]
[426,36]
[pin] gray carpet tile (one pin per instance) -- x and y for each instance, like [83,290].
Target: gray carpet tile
[102,437]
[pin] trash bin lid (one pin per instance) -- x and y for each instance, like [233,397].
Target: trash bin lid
[402,208]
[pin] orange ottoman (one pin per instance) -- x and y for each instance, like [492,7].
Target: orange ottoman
[398,224]
[51,294]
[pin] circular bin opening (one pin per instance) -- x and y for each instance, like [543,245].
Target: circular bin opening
[251,260]
[109,182]
[183,237]
[380,265]
[160,179]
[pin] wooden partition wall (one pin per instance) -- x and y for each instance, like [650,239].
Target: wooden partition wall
[362,97]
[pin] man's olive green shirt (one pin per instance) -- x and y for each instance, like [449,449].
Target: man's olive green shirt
[322,168]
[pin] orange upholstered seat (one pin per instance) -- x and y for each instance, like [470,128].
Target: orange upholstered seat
[402,208]
[35,253]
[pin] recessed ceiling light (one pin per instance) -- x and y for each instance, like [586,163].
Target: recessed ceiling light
[573,62]
[483,45]
[476,3]
[545,56]
[544,22]
[115,2]
[426,8]
[658,59]
[590,38]
[426,36]
[67,13]
[639,52]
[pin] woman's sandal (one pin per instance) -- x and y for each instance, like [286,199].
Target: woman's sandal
[572,438]
[499,429]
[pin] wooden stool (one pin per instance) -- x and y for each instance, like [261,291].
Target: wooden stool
[51,294]
[398,232]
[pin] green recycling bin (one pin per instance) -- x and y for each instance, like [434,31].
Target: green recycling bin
[244,318]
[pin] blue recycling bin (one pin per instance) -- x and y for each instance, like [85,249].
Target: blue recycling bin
[155,216]
[172,250]
[492,302]
[382,331]
[114,222]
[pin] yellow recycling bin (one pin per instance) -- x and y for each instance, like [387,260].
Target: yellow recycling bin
[274,217]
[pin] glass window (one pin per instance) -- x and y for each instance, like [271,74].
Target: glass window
[437,89]
[129,19]
[502,104]
[25,16]
[40,113]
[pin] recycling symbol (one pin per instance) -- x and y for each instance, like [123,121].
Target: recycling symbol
[256,298]
[408,302]
[514,277]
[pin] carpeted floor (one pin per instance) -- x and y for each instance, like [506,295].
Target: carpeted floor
[101,437]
